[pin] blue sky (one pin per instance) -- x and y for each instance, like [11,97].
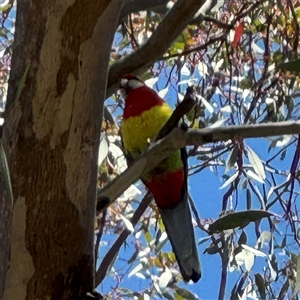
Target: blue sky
[205,190]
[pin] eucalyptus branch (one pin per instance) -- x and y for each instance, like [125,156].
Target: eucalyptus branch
[165,34]
[224,258]
[158,6]
[108,258]
[180,138]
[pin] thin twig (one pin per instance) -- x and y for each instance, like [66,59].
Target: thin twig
[105,263]
[99,234]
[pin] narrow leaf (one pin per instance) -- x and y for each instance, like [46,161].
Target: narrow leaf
[264,237]
[283,290]
[103,150]
[256,163]
[165,278]
[167,296]
[254,176]
[226,109]
[238,34]
[162,93]
[242,238]
[293,66]
[254,251]
[203,240]
[273,267]
[249,199]
[144,252]
[231,159]
[140,275]
[207,105]
[119,157]
[185,71]
[229,180]
[297,285]
[260,283]
[136,269]
[218,123]
[127,223]
[146,296]
[186,294]
[238,219]
[202,68]
[150,82]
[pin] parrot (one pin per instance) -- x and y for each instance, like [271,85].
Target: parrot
[145,113]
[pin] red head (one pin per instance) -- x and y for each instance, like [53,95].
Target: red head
[139,97]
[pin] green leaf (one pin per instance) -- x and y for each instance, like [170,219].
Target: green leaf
[148,237]
[165,278]
[293,66]
[242,238]
[237,289]
[283,154]
[273,267]
[284,290]
[133,257]
[253,251]
[218,123]
[231,159]
[229,180]
[178,297]
[127,223]
[297,285]
[212,249]
[256,163]
[167,296]
[249,199]
[186,294]
[157,288]
[178,47]
[203,240]
[103,149]
[260,283]
[162,240]
[253,175]
[207,105]
[125,43]
[5,5]
[264,237]
[294,257]
[238,219]
[245,258]
[5,182]
[138,268]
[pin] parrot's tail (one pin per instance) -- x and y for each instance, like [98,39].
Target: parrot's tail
[180,230]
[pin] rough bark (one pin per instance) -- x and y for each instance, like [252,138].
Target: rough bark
[6,205]
[51,138]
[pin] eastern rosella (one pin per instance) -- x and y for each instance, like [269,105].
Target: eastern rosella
[144,115]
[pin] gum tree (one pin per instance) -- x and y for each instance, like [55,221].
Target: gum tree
[67,57]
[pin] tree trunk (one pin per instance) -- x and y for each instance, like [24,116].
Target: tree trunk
[51,138]
[6,205]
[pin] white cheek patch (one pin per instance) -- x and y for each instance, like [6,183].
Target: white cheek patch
[124,82]
[134,84]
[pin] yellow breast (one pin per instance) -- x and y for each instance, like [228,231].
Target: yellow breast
[136,131]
